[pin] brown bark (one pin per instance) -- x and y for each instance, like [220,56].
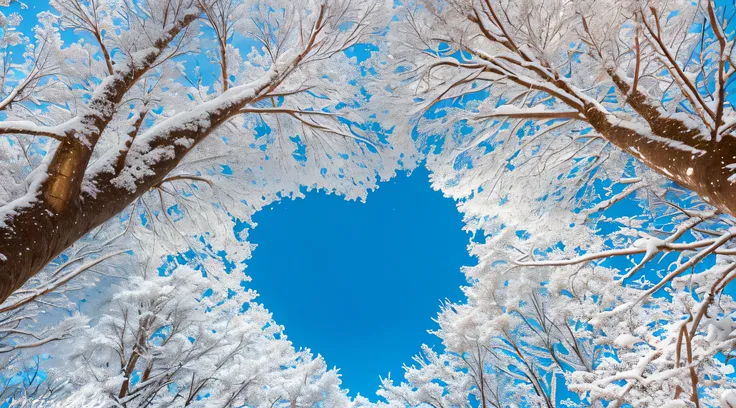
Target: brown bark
[703,173]
[670,147]
[223,66]
[60,214]
[678,152]
[482,385]
[69,163]
[130,366]
[43,230]
[105,52]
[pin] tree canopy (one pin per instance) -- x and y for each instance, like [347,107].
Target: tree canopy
[589,145]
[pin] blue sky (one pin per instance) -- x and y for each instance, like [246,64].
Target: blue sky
[360,283]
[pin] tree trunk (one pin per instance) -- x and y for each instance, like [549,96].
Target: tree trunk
[689,160]
[56,214]
[40,231]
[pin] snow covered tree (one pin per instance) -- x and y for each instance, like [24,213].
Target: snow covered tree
[648,77]
[590,145]
[422,387]
[122,116]
[164,344]
[194,145]
[163,340]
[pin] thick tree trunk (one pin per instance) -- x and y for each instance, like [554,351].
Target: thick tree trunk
[39,232]
[689,160]
[668,146]
[57,213]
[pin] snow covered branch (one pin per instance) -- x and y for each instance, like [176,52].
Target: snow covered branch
[32,129]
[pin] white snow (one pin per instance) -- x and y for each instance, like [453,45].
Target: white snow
[512,110]
[141,157]
[732,178]
[728,399]
[37,177]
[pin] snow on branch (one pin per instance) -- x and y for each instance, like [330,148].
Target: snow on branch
[24,297]
[535,112]
[32,129]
